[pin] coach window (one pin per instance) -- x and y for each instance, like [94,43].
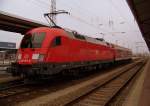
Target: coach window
[56,41]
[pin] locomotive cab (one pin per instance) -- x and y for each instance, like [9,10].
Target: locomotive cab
[30,50]
[35,52]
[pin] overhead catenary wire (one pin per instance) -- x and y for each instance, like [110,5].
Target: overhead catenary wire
[77,17]
[118,10]
[62,2]
[39,4]
[84,10]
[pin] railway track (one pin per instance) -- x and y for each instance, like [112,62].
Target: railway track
[103,94]
[12,88]
[10,83]
[84,98]
[94,91]
[14,91]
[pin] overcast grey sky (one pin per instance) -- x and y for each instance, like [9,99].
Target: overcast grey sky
[90,17]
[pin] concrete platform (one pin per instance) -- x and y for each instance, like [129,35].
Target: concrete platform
[144,99]
[139,94]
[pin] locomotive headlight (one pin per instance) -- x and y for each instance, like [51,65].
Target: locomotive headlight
[35,56]
[19,56]
[39,57]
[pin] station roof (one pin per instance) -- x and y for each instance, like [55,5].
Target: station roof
[141,11]
[13,23]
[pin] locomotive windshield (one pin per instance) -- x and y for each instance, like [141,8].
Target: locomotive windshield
[33,40]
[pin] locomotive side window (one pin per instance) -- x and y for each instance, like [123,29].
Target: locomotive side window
[56,41]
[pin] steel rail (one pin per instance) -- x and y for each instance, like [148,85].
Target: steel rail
[103,94]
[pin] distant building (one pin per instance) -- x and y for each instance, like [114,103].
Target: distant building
[7,50]
[7,45]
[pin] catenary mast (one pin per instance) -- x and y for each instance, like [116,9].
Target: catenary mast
[53,9]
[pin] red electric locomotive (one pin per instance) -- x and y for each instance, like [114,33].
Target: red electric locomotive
[48,51]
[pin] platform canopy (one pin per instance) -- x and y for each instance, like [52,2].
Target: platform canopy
[13,23]
[141,11]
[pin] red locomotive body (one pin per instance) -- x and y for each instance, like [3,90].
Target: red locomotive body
[48,51]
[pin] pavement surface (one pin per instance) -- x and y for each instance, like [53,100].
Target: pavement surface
[145,94]
[133,97]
